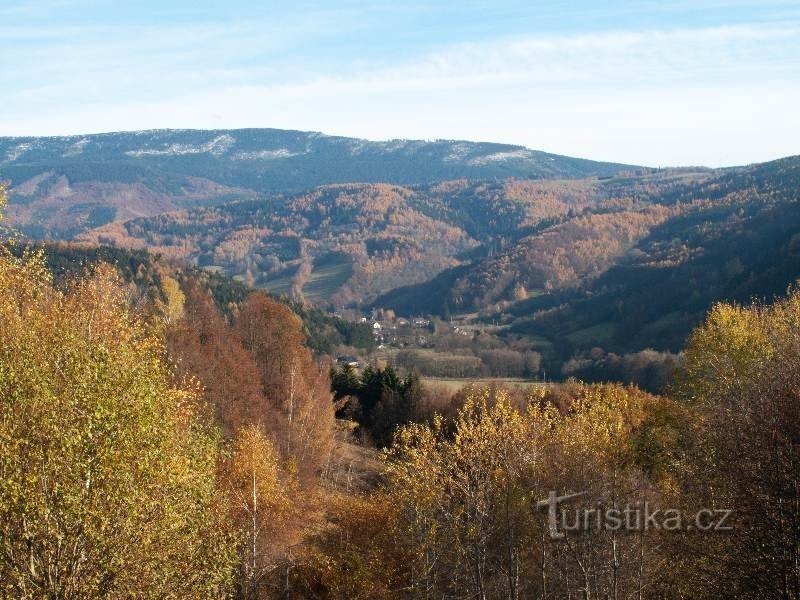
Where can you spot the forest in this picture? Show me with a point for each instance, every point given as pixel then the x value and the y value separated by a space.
pixel 579 269
pixel 161 438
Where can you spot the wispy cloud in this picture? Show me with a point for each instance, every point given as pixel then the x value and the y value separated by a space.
pixel 612 58
pixel 323 69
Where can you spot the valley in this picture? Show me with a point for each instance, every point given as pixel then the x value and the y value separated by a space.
pixel 584 264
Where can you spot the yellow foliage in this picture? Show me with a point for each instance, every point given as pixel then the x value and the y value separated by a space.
pixel 724 352
pixel 258 500
pixel 253 474
pixel 108 475
pixel 742 372
pixel 173 308
pixel 465 492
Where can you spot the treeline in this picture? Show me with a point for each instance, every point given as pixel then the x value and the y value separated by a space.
pixel 67 261
pixel 488 362
pixel 649 370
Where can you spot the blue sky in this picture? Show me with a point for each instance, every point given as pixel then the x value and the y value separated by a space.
pixel 651 82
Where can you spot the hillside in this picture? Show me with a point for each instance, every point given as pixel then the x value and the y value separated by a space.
pixel 61 186
pixel 576 261
pixel 740 241
pixel 596 222
pixel 348 243
pixel 146 272
pixel 511 247
pixel 639 270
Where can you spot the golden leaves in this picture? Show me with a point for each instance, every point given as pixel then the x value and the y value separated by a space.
pixel 108 476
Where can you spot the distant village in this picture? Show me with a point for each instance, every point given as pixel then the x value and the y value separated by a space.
pixel 397 333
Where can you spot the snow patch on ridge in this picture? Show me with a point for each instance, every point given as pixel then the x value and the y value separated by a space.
pixel 76 148
pixel 218 146
pixel 266 154
pixel 14 153
pixel 458 152
pixel 521 154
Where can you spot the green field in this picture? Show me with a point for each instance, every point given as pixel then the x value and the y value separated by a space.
pixel 328 275
pixel 280 283
pixel 593 335
pixel 453 385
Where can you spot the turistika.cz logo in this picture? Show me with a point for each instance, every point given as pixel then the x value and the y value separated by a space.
pixel 630 517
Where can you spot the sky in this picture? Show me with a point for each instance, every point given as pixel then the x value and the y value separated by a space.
pixel 654 82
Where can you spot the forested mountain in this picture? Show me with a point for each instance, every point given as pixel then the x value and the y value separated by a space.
pixel 578 260
pixel 638 270
pixel 494 243
pixel 350 242
pixel 63 185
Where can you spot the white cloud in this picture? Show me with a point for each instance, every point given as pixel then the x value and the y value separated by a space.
pixel 720 95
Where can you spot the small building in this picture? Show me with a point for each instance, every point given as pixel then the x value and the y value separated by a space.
pixel 347 360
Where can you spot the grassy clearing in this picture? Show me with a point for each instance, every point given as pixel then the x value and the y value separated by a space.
pixel 453 385
pixel 328 275
pixel 280 283
pixel 215 269
pixel 535 293
pixel 592 335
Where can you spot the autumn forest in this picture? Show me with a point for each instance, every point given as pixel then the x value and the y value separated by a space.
pixel 167 431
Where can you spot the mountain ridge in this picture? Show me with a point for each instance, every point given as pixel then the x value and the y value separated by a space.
pixel 268 145
pixel 79 140
pixel 63 185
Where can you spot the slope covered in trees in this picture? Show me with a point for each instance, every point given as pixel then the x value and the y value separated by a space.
pixel 738 242
pixel 149 275
pixel 388 236
pixel 159 447
pixel 152 446
pixel 61 186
